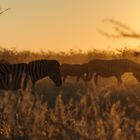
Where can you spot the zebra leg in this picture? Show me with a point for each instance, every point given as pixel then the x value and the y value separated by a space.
pixel 25 82
pixel 86 77
pixel 20 92
pixel 96 79
pixel 89 76
pixel 21 95
pixel 34 94
pixel 6 81
pixel 17 81
pixel 64 78
pixel 77 79
pixel 18 85
pixel 85 80
pixel 119 79
pixel 9 83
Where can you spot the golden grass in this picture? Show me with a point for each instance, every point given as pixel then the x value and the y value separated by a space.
pixel 95 116
pixel 74 111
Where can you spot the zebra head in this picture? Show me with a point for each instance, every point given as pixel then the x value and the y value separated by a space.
pixel 53 67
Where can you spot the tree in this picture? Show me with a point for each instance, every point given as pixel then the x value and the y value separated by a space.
pixel 122 30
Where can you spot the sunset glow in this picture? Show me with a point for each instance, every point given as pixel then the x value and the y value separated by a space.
pixel 61 25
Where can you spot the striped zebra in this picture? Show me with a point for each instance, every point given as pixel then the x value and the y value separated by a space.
pixel 11 75
pixel 3 76
pixel 16 76
pixel 74 70
pixel 39 69
pixel 114 67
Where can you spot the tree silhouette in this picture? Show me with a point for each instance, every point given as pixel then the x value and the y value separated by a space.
pixel 122 30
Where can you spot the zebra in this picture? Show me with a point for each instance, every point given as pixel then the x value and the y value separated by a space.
pixel 11 75
pixel 75 70
pixel 3 76
pixel 113 67
pixel 17 72
pixel 39 69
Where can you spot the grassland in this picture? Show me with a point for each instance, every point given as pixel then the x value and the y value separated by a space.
pixel 74 111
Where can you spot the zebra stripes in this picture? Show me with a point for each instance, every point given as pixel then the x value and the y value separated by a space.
pixel 17 72
pixel 39 69
pixel 4 76
pixel 11 75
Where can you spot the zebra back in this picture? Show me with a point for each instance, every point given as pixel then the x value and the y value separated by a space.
pixel 114 66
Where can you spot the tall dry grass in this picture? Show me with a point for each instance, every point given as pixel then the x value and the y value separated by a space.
pixel 14 56
pixel 74 111
pixel 97 115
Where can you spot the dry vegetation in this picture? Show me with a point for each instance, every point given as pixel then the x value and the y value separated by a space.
pixel 72 56
pixel 73 111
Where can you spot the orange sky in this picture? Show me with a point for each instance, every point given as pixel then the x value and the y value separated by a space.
pixel 61 25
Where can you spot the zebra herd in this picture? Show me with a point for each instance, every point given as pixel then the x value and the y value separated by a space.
pixel 100 67
pixel 17 76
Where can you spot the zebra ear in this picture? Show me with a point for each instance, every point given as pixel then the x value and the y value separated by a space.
pixel 53 62
pixel 57 63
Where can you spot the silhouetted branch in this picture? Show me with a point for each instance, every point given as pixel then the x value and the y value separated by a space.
pixel 3 11
pixel 123 30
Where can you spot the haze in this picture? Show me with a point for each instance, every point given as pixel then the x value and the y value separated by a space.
pixel 60 25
